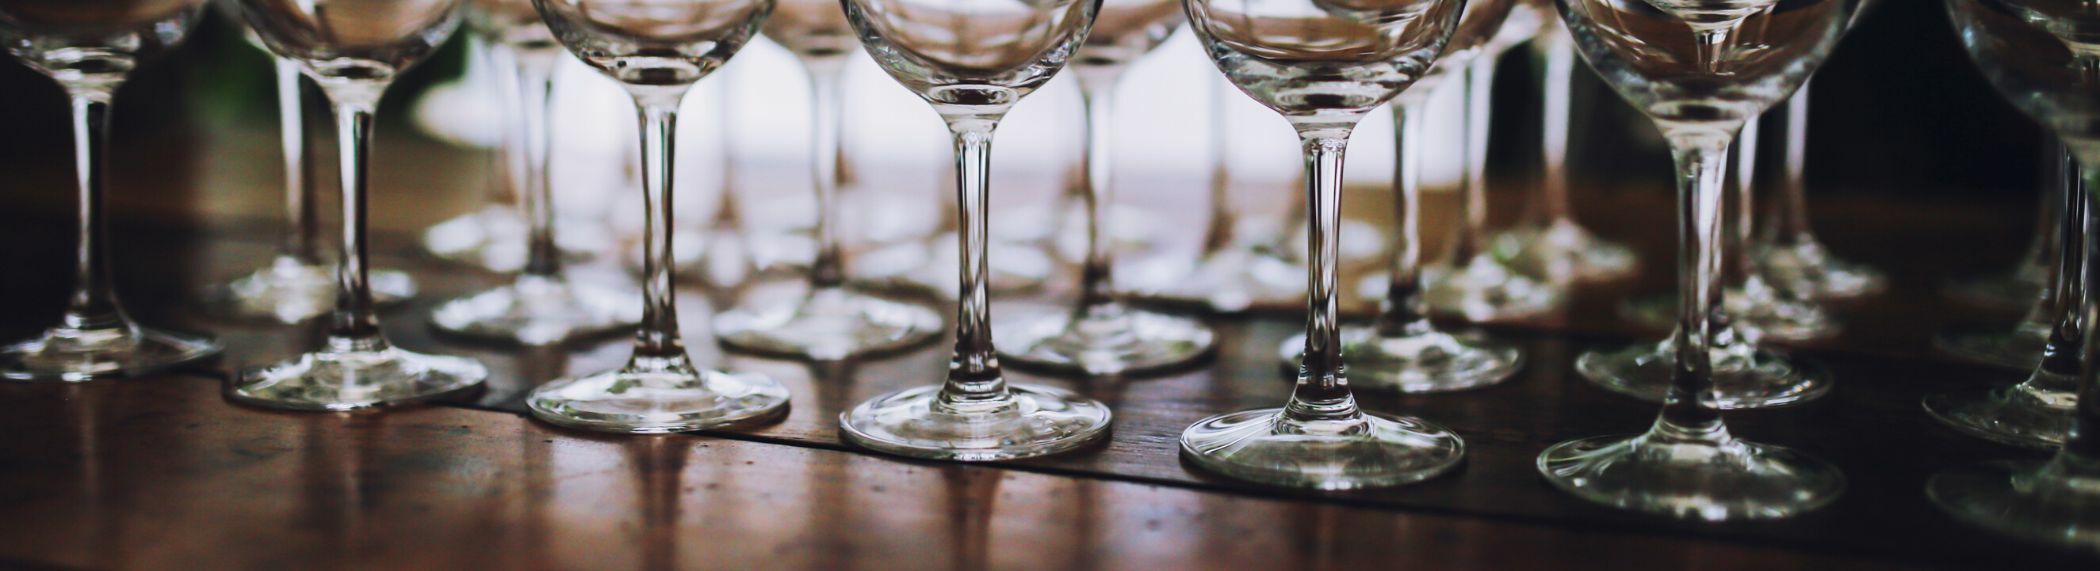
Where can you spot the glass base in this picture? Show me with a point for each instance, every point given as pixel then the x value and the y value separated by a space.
pixel 1692 479
pixel 1113 340
pixel 537 310
pixel 1034 421
pixel 64 354
pixel 1745 377
pixel 1753 307
pixel 1484 289
pixel 340 379
pixel 828 324
pixel 493 238
pixel 1807 268
pixel 1564 252
pixel 671 397
pixel 2019 415
pixel 2017 348
pixel 290 291
pixel 1428 362
pixel 2012 291
pixel 1234 280
pixel 2046 502
pixel 1366 451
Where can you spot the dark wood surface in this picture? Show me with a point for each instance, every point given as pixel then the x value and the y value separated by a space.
pixel 160 472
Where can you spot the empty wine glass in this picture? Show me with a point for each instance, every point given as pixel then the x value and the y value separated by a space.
pixel 973 60
pixel 296 284
pixel 1700 70
pixel 1402 350
pixel 542 306
pixel 1473 280
pixel 89 47
pixel 832 320
pixel 1323 65
pixel 2022 344
pixel 2041 55
pixel 657 49
pixel 354 50
pixel 1104 336
pixel 1549 242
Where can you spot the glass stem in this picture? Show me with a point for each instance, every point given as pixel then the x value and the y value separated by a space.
pixel 355 326
pixel 1789 217
pixel 2081 452
pixel 828 270
pixel 94 304
pixel 1220 233
pixel 2062 354
pixel 1097 282
pixel 299 211
pixel 1404 312
pixel 656 342
pixel 1322 392
pixel 1689 411
pixel 535 72
pixel 975 383
pixel 511 182
pixel 1471 239
pixel 1559 56
pixel 1737 250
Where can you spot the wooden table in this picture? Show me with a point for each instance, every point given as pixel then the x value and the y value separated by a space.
pixel 161 472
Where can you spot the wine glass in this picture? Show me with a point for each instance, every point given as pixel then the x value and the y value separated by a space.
pixel 2040 54
pixel 89 47
pixel 973 60
pixel 1549 242
pixel 1475 281
pixel 2022 286
pixel 1700 70
pixel 1402 350
pixel 354 50
pixel 1322 65
pixel 296 284
pixel 657 50
pixel 1104 336
pixel 2022 344
pixel 542 305
pixel 831 320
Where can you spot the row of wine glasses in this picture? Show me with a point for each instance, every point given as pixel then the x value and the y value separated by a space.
pixel 1700 70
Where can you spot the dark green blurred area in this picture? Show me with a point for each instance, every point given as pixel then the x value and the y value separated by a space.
pixel 1899 111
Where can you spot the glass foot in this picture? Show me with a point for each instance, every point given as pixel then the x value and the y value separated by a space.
pixel 1807 268
pixel 1234 280
pixel 2050 502
pixel 2019 415
pixel 1745 377
pixel 1564 252
pixel 2017 348
pixel 290 291
pixel 1484 290
pixel 1428 362
pixel 1690 478
pixel 828 324
pixel 1113 340
pixel 1035 421
pixel 1753 306
pixel 343 377
pixel 538 310
pixel 1365 451
pixel 67 354
pixel 670 396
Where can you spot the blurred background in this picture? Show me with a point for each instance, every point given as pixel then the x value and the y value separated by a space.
pixel 1898 114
